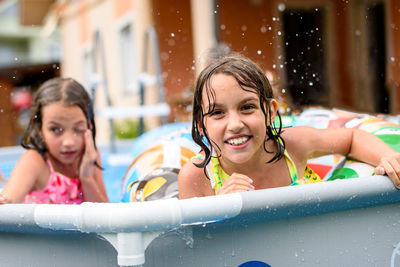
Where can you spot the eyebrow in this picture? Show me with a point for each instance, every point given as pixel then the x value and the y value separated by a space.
pixel 246 100
pixel 75 123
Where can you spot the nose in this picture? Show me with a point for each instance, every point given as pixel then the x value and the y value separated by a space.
pixel 69 139
pixel 235 123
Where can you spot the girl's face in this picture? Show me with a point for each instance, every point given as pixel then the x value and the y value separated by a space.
pixel 237 124
pixel 62 129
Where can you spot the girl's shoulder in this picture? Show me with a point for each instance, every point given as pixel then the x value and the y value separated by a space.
pixel 297 135
pixel 191 171
pixel 193 182
pixel 32 161
pixel 300 141
pixel 33 154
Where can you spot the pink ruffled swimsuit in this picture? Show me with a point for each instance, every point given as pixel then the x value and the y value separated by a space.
pixel 60 189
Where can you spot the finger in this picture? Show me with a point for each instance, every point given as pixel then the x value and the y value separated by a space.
pixel 89 140
pixel 235 188
pixel 90 150
pixel 379 170
pixel 392 169
pixel 3 199
pixel 241 177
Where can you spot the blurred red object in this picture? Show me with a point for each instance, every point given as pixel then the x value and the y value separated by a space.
pixel 21 99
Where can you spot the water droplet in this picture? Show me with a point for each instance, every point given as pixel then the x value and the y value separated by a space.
pixel 172 34
pixel 310 83
pixel 281 7
pixel 259 52
pixel 392 59
pixel 263 29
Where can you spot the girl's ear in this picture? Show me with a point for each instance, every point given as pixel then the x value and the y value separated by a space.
pixel 200 127
pixel 273 107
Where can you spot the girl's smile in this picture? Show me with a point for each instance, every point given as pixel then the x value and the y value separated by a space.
pixel 238 142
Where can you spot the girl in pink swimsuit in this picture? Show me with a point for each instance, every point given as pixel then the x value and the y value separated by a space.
pixel 61 164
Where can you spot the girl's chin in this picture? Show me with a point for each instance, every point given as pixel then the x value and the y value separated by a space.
pixel 67 159
pixel 238 159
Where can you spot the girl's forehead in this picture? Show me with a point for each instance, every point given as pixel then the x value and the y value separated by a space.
pixel 221 82
pixel 225 89
pixel 59 112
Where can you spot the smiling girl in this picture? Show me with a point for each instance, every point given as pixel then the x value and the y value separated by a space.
pixel 242 149
pixel 61 164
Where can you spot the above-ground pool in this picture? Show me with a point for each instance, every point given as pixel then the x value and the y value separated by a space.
pixel 353 222
pixel 350 222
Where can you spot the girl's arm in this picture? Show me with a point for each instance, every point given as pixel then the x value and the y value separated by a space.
pixel 370 149
pixel 26 172
pixel 91 176
pixel 353 143
pixel 192 182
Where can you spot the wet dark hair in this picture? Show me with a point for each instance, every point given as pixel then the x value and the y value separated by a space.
pixel 65 90
pixel 250 78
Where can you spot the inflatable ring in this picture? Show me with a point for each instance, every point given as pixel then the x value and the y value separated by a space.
pixel 160 154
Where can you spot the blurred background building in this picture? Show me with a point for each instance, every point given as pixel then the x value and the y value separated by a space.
pixel 332 53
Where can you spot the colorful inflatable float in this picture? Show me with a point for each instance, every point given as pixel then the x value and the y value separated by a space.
pixel 337 223
pixel 160 153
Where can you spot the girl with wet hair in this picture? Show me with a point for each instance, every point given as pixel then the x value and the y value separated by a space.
pixel 236 123
pixel 61 164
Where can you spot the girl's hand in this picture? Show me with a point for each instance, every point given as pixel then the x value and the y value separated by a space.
pixel 4 199
pixel 237 183
pixel 391 166
pixel 89 157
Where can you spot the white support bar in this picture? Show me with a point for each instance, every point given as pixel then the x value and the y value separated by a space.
pixel 161 109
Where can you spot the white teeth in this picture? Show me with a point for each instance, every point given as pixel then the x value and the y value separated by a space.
pixel 238 141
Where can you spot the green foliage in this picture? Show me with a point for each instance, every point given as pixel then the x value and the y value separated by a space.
pixel 126 129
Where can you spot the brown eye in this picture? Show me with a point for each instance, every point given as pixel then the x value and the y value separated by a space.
pixel 248 107
pixel 216 113
pixel 57 130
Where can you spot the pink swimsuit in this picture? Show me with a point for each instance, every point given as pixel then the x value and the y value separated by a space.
pixel 60 189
